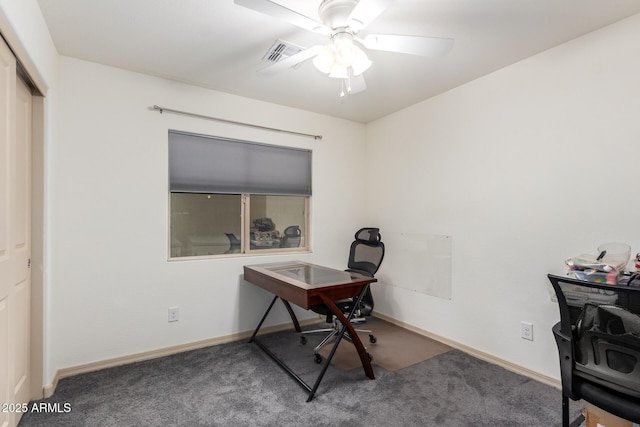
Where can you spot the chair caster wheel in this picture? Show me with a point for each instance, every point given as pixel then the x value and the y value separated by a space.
pixel 303 340
pixel 372 339
pixel 318 359
pixel 370 357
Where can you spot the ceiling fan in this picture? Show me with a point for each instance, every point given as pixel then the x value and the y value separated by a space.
pixel 341 22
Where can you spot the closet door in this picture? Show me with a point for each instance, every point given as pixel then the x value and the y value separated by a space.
pixel 15 239
pixel 21 245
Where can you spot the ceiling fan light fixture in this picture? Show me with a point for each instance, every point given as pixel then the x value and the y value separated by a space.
pixel 338 59
pixel 325 60
pixel 345 51
pixel 361 62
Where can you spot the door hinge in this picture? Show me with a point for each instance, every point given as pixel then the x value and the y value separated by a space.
pixel 29 263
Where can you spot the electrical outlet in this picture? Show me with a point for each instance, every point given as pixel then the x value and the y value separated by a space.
pixel 526 330
pixel 174 314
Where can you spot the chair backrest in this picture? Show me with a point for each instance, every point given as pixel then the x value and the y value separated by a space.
pixel 234 244
pixel 365 256
pixel 600 331
pixel 367 251
pixel 233 240
pixel 292 237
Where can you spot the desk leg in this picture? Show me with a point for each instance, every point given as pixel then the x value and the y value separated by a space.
pixel 262 320
pixel 327 362
pixel 294 319
pixel 346 325
pixel 364 357
pixel 271 354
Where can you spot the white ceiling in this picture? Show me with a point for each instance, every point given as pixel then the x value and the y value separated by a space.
pixel 219 45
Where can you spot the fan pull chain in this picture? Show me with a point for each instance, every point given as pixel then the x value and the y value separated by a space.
pixel 346 83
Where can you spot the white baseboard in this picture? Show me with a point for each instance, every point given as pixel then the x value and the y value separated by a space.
pixel 510 366
pixel 48 390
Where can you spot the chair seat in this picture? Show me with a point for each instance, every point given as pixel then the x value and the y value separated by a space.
pixel 616 403
pixel 344 306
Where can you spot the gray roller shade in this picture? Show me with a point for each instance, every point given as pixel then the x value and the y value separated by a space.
pixel 206 164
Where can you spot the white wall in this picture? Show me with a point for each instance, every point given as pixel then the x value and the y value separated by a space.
pixel 111 281
pixel 524 168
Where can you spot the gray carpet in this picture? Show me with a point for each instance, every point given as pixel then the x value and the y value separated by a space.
pixel 236 384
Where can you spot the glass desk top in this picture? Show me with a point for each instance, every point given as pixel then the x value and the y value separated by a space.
pixel 310 274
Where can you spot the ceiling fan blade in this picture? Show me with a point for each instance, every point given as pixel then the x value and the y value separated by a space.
pixel 365 12
pixel 289 62
pixel 414 45
pixel 273 9
pixel 357 84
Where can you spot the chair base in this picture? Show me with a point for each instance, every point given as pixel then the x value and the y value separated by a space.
pixel 332 334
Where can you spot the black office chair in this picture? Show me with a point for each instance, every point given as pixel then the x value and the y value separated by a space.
pixel 365 256
pixel 598 340
pixel 234 243
pixel 292 237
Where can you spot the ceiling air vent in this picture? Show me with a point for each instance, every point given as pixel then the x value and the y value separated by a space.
pixel 280 50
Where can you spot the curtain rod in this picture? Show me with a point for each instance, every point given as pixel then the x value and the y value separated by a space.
pixel 186 113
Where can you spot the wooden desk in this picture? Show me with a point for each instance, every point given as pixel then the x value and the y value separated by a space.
pixel 305 285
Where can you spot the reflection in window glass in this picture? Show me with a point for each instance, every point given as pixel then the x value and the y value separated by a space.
pixel 205 224
pixel 277 222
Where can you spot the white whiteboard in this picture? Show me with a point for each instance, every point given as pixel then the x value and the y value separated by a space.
pixel 418 262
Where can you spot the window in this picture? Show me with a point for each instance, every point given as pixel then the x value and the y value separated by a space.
pixel 230 197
